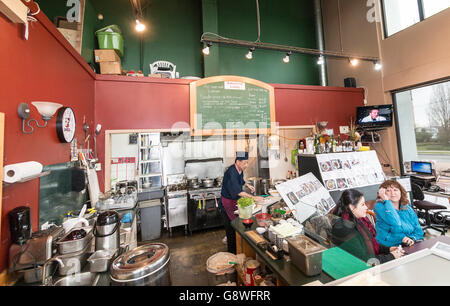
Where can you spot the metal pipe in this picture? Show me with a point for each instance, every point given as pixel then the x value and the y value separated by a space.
pixel 320 39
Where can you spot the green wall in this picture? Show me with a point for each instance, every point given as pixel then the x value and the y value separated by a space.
pixel 285 22
pixel 174 29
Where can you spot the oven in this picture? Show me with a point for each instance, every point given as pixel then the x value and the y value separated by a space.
pixel 203 209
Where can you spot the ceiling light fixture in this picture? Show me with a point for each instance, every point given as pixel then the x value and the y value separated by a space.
pixel 321 60
pixel 249 55
pixel 206 49
pixel 377 66
pixel 286 59
pixel 140 27
pixel 354 62
pixel 217 39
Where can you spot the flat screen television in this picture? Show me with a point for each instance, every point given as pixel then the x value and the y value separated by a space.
pixel 372 117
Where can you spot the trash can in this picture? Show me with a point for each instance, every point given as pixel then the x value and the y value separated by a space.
pixel 110 37
pixel 150 219
pixel 220 270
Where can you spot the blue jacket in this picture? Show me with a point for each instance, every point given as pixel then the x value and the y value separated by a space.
pixel 393 225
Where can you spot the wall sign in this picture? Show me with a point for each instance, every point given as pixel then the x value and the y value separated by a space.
pixel 231 105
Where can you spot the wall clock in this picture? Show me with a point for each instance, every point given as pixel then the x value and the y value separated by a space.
pixel 65 124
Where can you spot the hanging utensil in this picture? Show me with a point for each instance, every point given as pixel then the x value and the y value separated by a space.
pixel 285 153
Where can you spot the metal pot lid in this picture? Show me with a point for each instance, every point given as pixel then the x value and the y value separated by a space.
pixel 140 262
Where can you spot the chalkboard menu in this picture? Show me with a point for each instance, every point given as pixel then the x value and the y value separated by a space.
pixel 231 105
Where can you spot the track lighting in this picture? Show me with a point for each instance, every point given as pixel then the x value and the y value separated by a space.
pixel 250 53
pixel 377 66
pixel 321 60
pixel 286 59
pixel 206 49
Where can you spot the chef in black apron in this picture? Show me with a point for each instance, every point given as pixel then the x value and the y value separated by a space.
pixel 232 189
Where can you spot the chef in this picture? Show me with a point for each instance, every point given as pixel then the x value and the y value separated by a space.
pixel 232 184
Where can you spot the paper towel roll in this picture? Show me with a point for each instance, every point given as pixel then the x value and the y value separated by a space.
pixel 15 172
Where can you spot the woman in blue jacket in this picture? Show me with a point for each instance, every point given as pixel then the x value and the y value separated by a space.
pixel 397 223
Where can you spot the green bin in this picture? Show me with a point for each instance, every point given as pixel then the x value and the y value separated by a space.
pixel 110 37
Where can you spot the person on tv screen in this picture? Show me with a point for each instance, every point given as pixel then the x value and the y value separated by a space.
pixel 374 116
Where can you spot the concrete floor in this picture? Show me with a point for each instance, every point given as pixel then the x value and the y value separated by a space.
pixel 190 253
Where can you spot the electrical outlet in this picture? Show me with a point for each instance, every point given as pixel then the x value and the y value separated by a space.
pixel 344 129
pixel 98 167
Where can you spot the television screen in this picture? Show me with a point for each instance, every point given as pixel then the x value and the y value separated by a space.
pixel 374 116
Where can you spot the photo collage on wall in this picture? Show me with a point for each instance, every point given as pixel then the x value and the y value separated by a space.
pixel 350 170
pixel 306 195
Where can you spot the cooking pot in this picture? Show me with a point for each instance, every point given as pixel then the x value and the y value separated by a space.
pixel 219 181
pixel 193 182
pixel 265 186
pixel 207 182
pixel 147 265
pixel 256 183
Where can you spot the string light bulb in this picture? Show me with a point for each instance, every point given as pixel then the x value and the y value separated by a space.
pixel 249 55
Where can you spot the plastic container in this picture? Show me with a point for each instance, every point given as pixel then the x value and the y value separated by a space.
pixel 263 219
pixel 245 212
pixel 110 37
pixel 220 270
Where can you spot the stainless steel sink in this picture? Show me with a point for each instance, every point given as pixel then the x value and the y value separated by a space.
pixel 81 279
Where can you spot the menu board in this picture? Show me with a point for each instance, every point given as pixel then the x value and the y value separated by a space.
pixel 224 104
pixel 306 196
pixel 350 170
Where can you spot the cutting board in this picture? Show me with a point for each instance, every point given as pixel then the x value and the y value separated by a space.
pixel 338 264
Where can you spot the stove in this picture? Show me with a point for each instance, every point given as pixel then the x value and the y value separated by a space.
pixel 207 193
pixel 203 208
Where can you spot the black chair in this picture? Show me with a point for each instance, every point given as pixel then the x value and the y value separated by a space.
pixel 423 209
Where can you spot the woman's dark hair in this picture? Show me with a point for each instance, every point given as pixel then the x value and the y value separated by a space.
pixel 350 196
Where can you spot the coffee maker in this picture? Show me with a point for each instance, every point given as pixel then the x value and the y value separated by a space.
pixel 20 224
pixel 29 251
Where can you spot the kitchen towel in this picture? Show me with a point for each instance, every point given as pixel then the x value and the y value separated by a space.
pixel 15 172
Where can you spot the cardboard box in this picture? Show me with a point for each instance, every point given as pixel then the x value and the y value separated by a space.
pixel 15 10
pixel 110 68
pixel 106 55
pixel 70 35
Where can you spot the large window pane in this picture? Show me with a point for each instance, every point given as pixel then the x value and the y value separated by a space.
pixel 432 7
pixel 400 14
pixel 424 124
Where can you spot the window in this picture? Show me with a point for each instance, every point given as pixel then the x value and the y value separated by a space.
pixel 401 14
pixel 431 7
pixel 423 117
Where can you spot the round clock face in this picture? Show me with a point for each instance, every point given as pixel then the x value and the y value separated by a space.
pixel 65 124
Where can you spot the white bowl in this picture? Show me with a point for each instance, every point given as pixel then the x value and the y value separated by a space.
pixel 260 230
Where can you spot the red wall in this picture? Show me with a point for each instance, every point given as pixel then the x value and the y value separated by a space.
pixel 123 103
pixel 47 68
pixel 40 69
